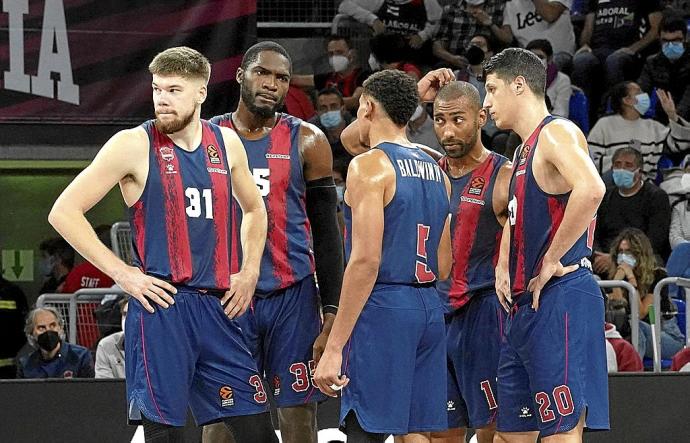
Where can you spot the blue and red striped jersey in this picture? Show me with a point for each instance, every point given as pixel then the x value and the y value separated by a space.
pixel 181 222
pixel 534 219
pixel 475 230
pixel 413 220
pixel 276 164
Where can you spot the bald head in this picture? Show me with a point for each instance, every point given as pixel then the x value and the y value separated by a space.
pixel 458 89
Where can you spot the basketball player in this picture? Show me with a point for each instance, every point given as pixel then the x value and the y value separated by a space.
pixel 292 164
pixel 178 175
pixel 552 367
pixel 479 208
pixel 388 338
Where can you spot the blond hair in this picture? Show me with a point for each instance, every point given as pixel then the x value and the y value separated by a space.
pixel 641 248
pixel 183 61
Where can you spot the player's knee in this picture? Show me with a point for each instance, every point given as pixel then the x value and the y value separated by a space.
pixel 303 414
pixel 486 434
pixel 453 435
pixel 159 433
pixel 216 433
pixel 255 428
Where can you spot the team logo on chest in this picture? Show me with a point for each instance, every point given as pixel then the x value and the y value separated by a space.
pixel 167 153
pixel 213 156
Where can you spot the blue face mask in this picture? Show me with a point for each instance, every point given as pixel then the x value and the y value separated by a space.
pixel 330 119
pixel 627 259
pixel 673 50
pixel 643 103
pixel 623 178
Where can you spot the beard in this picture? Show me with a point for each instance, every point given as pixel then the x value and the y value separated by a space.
pixel 463 146
pixel 177 124
pixel 263 111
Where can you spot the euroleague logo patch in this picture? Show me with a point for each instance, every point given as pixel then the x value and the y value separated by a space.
pixel 213 156
pixel 226 396
pixel 477 186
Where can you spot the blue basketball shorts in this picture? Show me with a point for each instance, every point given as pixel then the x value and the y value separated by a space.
pixel 280 331
pixel 396 362
pixel 189 354
pixel 552 364
pixel 474 338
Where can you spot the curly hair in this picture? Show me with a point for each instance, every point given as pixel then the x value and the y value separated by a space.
pixel 395 91
pixel 641 248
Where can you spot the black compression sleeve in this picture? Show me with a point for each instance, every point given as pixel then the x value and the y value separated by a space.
pixel 322 201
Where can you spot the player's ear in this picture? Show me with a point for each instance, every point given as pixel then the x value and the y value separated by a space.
pixel 369 107
pixel 239 75
pixel 202 93
pixel 519 85
pixel 482 117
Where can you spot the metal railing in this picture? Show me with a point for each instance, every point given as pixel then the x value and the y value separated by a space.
pixel 121 241
pixel 77 308
pixel 633 302
pixel 683 282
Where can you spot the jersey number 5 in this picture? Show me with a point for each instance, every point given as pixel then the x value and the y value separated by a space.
pixel 422 271
pixel 261 180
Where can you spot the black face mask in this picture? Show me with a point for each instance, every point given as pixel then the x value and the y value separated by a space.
pixel 48 340
pixel 474 55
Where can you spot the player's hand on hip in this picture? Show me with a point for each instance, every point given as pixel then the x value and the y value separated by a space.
pixel 236 301
pixel 548 270
pixel 503 287
pixel 327 375
pixel 430 84
pixel 145 288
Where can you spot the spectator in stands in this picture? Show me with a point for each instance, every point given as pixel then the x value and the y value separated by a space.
pixel 57 259
pixel 332 118
pixel 86 275
pixel 632 202
pixel 558 87
pixel 417 20
pixel 680 215
pixel 345 74
pixel 13 309
pixel 681 361
pixel 625 357
pixel 420 129
pixel 670 69
pixel 340 166
pixel 460 23
pixel 54 357
pixel 527 20
pixel 110 354
pixel 634 262
pixel 626 127
pixel 391 51
pixel 615 37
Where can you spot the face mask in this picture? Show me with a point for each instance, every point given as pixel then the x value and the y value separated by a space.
pixel 122 323
pixel 623 178
pixel 373 63
pixel 340 190
pixel 625 258
pixel 330 119
pixel 673 50
pixel 474 55
pixel 643 102
pixel 417 113
pixel 685 182
pixel 48 340
pixel 338 62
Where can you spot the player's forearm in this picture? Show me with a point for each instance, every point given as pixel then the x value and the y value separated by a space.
pixel 504 249
pixel 302 81
pixel 351 141
pixel 71 224
pixel 253 235
pixel 582 207
pixel 359 279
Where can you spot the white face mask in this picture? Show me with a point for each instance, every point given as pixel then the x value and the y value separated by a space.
pixel 685 182
pixel 123 323
pixel 339 63
pixel 417 113
pixel 373 63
